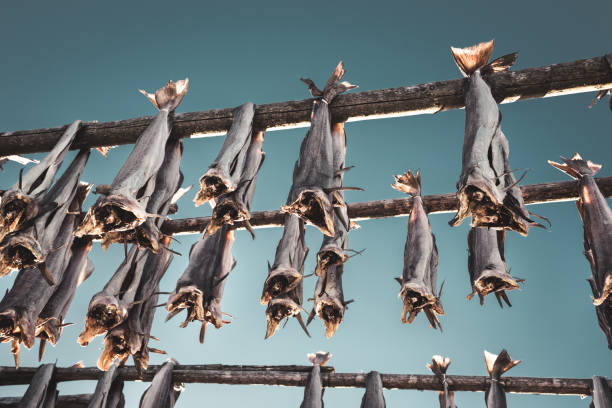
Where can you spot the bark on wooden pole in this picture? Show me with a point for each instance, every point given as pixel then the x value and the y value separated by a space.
pixel 296 376
pixel 398 207
pixel 63 401
pixel 586 75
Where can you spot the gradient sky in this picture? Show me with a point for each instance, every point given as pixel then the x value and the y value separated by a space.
pixel 67 60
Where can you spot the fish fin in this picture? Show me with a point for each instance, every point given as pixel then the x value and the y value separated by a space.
pixel 169 96
pixel 314 90
pixel 505 297
pixel 470 59
pixel 319 358
pixel 599 96
pixel 500 64
pixel 499 364
pixel 157 351
pixel 41 349
pixel 203 331
pixel 249 228
pixel 301 321
pixel 21 179
pixel 576 167
pixel 15 350
pixel 399 280
pixel 311 316
pixel 408 183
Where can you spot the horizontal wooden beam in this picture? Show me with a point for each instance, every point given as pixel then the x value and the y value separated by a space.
pixel 586 75
pixel 296 376
pixel 63 401
pixel 398 207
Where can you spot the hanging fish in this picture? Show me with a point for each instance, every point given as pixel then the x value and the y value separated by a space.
pixel 51 318
pixel 235 206
pixel 495 396
pixel 21 306
pixel 200 289
pixel 163 392
pixel 373 397
pixel 420 273
pixel 42 391
pixel 283 291
pixel 109 390
pixel 131 336
pixel 313 392
pixel 224 173
pixel 165 186
pixel 602 394
pixel 20 203
pixel 119 207
pixel 597 219
pixel 487 265
pixel 313 174
pixel 438 366
pixel 486 189
pixel 30 245
pixel 329 302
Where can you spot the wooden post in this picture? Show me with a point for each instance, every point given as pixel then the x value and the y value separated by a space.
pixel 586 75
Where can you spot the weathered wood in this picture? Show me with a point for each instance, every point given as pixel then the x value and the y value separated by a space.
pixel 584 75
pixel 63 401
pixel 399 207
pixel 296 376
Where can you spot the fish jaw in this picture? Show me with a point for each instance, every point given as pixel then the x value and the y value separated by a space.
pixel 19 251
pixel 280 281
pixel 331 312
pixel 146 235
pixel 103 314
pixel 329 255
pixel 112 213
pixel 314 207
pixel 116 345
pixel 606 292
pixel 48 330
pixel 15 209
pixel 416 297
pixel 492 280
pixel 229 212
pixel 187 297
pixel 212 312
pixel 16 324
pixel 214 183
pixel 277 310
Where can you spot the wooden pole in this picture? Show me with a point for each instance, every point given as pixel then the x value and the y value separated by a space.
pixel 399 207
pixel 296 376
pixel 584 75
pixel 63 401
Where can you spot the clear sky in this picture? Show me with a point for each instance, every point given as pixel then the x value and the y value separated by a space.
pixel 67 60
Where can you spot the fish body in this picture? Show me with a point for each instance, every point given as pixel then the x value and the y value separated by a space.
pixel 224 173
pixel 597 221
pixel 487 265
pixel 438 366
pixel 162 393
pixel 313 392
pixel 109 390
pixel 418 281
pixel 373 397
pixel 495 395
pixel 42 391
pixel 602 394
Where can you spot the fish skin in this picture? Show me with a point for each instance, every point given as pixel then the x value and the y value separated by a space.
pixel 313 173
pixel 418 282
pixel 373 396
pixel 313 391
pixel 120 206
pixel 487 264
pixel 597 222
pixel 34 184
pixel 602 394
pixel 224 173
pixel 42 389
pixel 495 395
pixel 162 393
pixel 109 390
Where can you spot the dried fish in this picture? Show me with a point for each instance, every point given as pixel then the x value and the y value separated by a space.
pixel 20 203
pixel 486 189
pixel 120 208
pixel 162 393
pixel 200 289
pixel 487 265
pixel 235 206
pixel 313 174
pixel 596 218
pixel 109 390
pixel 283 291
pixel 224 173
pixel 30 245
pixel 495 396
pixel 420 273
pixel 42 391
pixel 602 394
pixel 131 337
pixel 313 392
pixel 373 397
pixel 438 366
pixel 51 318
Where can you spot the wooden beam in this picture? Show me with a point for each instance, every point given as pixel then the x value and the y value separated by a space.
pixel 296 376
pixel 399 207
pixel 584 75
pixel 63 401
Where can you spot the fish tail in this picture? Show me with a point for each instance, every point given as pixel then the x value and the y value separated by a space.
pixel 169 96
pixel 576 167
pixel 439 365
pixel 499 364
pixel 319 358
pixel 408 183
pixel 472 58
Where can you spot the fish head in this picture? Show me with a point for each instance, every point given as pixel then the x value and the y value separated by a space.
pixel 280 280
pixel 187 297
pixel 416 297
pixel 16 208
pixel 19 251
pixel 227 211
pixel 116 345
pixel 277 310
pixel 314 207
pixel 329 255
pixel 214 183
pixel 112 213
pixel 494 280
pixel 330 311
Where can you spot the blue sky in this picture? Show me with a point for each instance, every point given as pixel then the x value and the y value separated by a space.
pixel 68 60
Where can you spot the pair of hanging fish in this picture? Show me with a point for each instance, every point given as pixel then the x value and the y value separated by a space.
pixel 229 184
pixel 315 198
